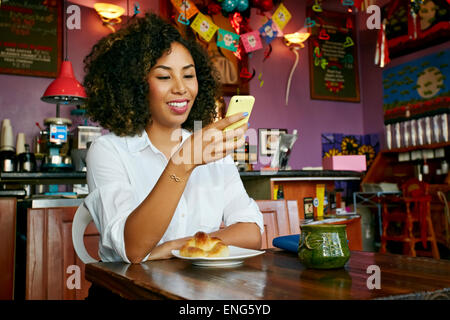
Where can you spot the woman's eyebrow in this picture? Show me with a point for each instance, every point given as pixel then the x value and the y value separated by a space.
pixel 169 68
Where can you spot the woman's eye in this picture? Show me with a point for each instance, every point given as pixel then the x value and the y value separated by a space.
pixel 163 77
pixel 189 76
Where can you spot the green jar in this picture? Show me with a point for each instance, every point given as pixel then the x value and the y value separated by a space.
pixel 323 246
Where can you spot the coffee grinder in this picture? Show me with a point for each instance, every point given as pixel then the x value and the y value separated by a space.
pixel 56 141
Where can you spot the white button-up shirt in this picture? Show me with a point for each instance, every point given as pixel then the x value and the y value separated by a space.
pixel 122 171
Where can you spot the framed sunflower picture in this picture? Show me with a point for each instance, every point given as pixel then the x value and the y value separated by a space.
pixel 337 144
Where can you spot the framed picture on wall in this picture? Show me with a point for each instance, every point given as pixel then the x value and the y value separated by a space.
pixel 268 140
pixel 333 60
pixel 31 38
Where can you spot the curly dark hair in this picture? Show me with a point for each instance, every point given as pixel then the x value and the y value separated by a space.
pixel 117 69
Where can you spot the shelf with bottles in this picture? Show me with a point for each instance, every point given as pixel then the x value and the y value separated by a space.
pixel 427 162
pixel 416 131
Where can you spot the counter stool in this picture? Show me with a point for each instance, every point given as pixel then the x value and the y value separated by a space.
pixel 410 209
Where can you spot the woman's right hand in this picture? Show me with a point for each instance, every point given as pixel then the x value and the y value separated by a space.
pixel 211 143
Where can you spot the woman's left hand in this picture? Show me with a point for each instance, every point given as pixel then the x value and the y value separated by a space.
pixel 164 251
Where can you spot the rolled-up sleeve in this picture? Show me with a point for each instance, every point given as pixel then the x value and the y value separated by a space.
pixel 238 206
pixel 111 199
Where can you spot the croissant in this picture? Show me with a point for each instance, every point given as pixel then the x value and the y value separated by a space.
pixel 202 245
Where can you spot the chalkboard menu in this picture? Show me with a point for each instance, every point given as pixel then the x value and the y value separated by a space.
pixel 31 37
pixel 333 57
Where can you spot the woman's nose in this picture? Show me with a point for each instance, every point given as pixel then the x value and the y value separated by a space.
pixel 179 86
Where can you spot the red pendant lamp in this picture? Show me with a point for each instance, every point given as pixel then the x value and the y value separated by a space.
pixel 65 89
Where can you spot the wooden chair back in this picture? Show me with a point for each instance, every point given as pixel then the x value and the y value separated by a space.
pixel 280 219
pixel 7 247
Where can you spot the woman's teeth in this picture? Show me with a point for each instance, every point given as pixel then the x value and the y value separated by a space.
pixel 177 104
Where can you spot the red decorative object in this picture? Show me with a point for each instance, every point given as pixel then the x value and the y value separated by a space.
pixel 266 5
pixel 334 86
pixel 236 20
pixel 65 89
pixel 349 23
pixel 323 35
pixel 214 8
pixel 256 3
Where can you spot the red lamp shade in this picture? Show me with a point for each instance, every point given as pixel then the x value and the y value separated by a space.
pixel 65 89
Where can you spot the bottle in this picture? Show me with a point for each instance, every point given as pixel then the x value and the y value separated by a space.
pixel 280 193
pixel 425 171
pixel 444 167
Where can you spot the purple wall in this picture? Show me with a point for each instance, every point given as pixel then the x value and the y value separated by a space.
pixel 20 96
pixel 310 117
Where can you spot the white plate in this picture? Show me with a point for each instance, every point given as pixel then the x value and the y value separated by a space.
pixel 236 257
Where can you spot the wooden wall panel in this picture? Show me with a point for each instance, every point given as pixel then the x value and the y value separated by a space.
pixel 50 252
pixel 7 247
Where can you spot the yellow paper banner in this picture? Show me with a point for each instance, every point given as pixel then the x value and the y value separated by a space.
pixel 204 26
pixel 281 16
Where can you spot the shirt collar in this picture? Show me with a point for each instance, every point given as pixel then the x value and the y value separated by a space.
pixel 141 141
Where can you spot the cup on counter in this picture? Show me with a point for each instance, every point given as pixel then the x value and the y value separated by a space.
pixel 7 137
pixel 20 143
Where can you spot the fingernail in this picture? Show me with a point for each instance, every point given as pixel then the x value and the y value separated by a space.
pixel 245 114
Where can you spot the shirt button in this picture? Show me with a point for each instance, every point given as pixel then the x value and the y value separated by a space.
pixel 182 215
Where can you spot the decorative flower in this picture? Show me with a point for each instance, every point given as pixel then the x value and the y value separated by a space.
pixel 332 152
pixel 349 146
pixel 369 152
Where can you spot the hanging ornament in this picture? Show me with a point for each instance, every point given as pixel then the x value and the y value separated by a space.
pixel 349 23
pixel 256 3
pixel 242 5
pixel 266 5
pixel 235 21
pixel 214 8
pixel 229 5
pixel 316 7
pixel 414 8
pixel 245 74
pixel 267 52
pixel 382 50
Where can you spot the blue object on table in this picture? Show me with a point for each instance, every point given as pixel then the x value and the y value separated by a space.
pixel 289 243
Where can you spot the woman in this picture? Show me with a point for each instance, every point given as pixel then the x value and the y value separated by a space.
pixel 156 181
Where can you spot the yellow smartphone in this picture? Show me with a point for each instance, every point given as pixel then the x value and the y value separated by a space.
pixel 240 104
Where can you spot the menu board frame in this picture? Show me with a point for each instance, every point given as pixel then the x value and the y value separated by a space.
pixel 336 25
pixel 33 37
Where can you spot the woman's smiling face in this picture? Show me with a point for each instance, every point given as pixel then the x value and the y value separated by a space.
pixel 173 87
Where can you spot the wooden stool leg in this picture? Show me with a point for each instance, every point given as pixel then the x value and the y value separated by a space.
pixel 410 235
pixel 385 222
pixel 434 247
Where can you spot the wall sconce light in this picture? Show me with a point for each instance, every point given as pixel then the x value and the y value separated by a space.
pixel 295 42
pixel 109 13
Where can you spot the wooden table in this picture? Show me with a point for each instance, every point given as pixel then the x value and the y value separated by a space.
pixel 276 275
